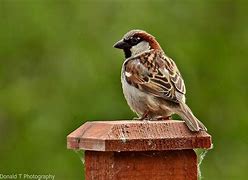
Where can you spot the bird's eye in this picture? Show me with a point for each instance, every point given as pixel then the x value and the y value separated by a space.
pixel 134 40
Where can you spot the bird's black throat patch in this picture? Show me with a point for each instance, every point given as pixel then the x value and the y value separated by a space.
pixel 127 52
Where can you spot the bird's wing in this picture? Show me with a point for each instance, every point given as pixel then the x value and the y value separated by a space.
pixel 157 74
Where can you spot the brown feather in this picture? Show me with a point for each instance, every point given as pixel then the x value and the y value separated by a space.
pixel 147 74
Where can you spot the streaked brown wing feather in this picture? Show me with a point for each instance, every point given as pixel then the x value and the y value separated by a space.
pixel 176 77
pixel 154 73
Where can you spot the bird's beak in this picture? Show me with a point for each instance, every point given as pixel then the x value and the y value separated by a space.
pixel 121 44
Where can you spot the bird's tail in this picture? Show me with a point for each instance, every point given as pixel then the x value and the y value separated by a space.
pixel 191 121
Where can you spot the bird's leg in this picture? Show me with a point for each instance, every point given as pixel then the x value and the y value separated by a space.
pixel 143 117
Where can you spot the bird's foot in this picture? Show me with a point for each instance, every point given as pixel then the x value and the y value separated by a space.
pixel 143 117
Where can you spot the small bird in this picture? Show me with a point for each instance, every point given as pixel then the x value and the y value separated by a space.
pixel 151 82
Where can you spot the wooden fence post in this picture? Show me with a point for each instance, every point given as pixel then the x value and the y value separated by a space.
pixel 138 150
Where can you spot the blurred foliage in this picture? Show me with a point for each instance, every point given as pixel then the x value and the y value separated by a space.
pixel 58 69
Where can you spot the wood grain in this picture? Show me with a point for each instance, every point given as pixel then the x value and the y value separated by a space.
pixel 137 136
pixel 146 165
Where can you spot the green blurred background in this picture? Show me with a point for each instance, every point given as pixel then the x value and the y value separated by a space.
pixel 58 69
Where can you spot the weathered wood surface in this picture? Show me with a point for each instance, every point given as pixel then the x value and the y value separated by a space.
pixel 138 150
pixel 146 165
pixel 137 136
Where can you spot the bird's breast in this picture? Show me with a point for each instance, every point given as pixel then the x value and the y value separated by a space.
pixel 136 99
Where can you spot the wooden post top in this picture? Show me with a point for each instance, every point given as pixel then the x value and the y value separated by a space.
pixel 137 136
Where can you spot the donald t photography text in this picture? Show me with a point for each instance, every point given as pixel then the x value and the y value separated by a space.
pixel 28 176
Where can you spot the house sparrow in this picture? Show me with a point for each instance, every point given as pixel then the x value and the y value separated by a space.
pixel 151 82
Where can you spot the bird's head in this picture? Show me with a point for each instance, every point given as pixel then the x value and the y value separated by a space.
pixel 135 42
